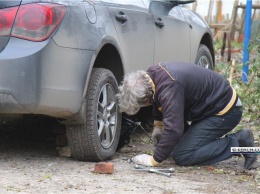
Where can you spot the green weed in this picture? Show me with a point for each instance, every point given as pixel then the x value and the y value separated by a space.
pixel 249 92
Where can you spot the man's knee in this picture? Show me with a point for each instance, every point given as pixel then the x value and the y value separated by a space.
pixel 182 159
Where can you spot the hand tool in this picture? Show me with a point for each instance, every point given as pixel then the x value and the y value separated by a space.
pixel 137 166
pixel 165 172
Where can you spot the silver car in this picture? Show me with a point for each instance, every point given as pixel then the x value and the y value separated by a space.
pixel 65 59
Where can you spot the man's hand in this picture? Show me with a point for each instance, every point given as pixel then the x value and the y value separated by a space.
pixel 145 159
pixel 156 135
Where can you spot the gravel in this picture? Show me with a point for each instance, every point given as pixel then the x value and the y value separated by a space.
pixel 29 163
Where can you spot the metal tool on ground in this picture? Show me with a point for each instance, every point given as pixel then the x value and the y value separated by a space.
pixel 161 171
pixel 137 166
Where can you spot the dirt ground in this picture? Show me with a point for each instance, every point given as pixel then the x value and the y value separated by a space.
pixel 29 163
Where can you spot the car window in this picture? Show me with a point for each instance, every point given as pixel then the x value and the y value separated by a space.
pixel 176 13
pixel 146 3
pixel 193 17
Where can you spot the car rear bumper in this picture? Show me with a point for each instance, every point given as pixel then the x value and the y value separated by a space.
pixel 42 78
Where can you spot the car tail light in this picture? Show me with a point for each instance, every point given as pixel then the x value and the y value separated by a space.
pixel 36 22
pixel 6 20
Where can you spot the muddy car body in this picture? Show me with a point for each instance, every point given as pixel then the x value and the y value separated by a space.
pixel 65 59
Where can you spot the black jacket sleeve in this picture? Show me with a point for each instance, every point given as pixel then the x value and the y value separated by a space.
pixel 171 98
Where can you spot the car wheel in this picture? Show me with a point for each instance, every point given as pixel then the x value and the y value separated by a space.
pixel 97 139
pixel 204 57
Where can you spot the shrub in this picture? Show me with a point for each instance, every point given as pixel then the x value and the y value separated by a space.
pixel 248 92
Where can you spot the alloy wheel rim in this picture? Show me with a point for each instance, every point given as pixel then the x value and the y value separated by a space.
pixel 204 62
pixel 107 116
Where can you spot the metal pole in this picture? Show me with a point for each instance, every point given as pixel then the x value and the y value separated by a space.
pixel 246 40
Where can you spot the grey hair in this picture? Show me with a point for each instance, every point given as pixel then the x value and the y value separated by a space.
pixel 133 91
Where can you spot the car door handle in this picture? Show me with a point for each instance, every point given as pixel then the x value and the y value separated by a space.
pixel 159 23
pixel 121 17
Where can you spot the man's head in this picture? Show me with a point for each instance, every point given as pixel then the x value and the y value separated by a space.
pixel 134 92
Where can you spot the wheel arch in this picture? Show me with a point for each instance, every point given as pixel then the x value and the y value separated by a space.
pixel 207 41
pixel 107 57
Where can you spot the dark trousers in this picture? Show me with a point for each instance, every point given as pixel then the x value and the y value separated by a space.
pixel 203 143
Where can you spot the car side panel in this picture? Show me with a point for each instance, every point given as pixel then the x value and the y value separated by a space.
pixel 198 30
pixel 50 77
pixel 136 34
pixel 172 41
pixel 77 32
pixel 79 42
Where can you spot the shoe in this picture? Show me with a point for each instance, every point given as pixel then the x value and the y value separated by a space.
pixel 246 139
pixel 250 159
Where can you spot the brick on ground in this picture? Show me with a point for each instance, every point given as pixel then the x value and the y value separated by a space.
pixel 104 168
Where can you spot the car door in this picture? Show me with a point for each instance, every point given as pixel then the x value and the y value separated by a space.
pixel 172 34
pixel 134 25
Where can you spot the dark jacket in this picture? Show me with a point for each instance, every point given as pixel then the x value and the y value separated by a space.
pixel 184 92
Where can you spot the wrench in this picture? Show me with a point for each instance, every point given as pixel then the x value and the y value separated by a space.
pixel 136 166
pixel 152 170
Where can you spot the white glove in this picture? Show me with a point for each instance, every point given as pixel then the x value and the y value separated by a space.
pixel 156 135
pixel 145 159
